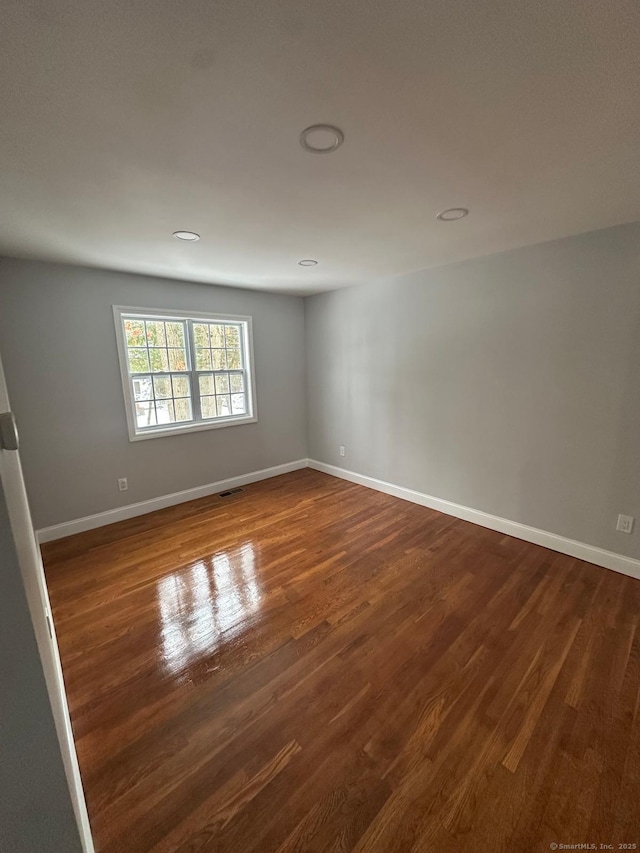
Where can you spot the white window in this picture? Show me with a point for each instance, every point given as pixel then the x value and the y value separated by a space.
pixel 184 371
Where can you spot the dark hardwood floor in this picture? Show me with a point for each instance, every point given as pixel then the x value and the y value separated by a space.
pixel 314 666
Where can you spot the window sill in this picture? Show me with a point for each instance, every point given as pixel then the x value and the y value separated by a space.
pixel 162 432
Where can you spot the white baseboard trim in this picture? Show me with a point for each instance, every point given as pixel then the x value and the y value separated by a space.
pixel 589 553
pixel 100 519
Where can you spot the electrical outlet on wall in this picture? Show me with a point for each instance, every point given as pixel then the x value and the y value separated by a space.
pixel 122 484
pixel 625 524
pixel 342 450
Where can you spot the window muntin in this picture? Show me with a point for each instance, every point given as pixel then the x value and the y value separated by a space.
pixel 184 372
pixel 158 362
pixel 219 360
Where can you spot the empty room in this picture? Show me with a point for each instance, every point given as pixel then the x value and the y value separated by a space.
pixel 319 426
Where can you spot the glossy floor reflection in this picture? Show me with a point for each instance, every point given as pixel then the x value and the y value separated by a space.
pixel 206 604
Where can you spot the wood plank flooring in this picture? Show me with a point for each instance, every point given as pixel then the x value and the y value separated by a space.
pixel 310 665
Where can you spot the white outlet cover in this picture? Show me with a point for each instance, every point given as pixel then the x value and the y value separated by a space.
pixel 625 523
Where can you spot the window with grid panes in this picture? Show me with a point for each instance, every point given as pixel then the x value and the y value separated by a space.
pixel 184 372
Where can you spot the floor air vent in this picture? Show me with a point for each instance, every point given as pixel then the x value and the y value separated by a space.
pixel 230 492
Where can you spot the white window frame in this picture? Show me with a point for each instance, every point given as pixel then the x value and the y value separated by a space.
pixel 121 312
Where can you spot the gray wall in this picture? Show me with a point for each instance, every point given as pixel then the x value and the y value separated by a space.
pixel 510 384
pixel 59 350
pixel 36 813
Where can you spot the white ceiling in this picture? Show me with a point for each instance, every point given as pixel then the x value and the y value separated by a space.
pixel 123 121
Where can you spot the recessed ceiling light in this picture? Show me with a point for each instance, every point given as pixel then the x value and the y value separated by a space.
pixel 321 138
pixel 307 262
pixel 189 236
pixel 452 214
